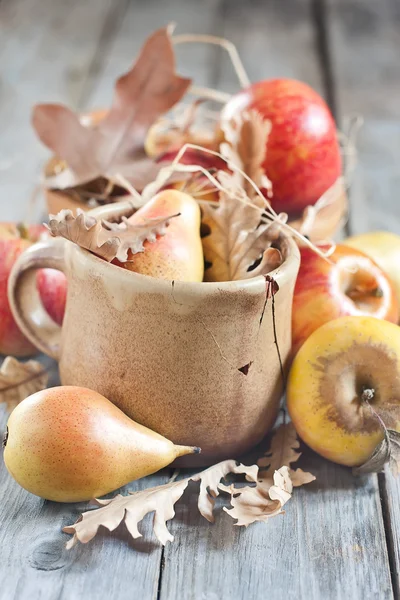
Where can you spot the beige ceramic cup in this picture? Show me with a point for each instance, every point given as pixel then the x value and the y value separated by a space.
pixel 196 362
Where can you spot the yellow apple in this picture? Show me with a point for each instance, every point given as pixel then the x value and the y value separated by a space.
pixel 384 248
pixel 327 381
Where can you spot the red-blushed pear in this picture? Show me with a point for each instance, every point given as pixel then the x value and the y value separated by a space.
pixel 303 157
pixel 343 383
pixel 348 283
pixel 177 255
pixel 70 444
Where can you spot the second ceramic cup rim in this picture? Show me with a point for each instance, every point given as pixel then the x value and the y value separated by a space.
pixel 280 274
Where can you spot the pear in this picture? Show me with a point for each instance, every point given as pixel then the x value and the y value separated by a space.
pixel 177 255
pixel 71 444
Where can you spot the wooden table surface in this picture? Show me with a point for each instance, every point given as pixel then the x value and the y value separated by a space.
pixel 340 535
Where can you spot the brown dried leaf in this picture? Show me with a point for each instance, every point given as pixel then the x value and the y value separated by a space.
pixel 116 143
pixel 19 380
pixel 247 138
pixel 107 240
pixel 239 244
pixel 160 500
pixel 274 485
pixel 259 503
pixel 388 451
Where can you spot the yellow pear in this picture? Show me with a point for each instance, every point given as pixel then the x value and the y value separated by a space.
pixel 71 444
pixel 177 255
pixel 384 248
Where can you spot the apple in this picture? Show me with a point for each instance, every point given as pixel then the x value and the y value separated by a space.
pixel 198 186
pixel 327 395
pixel 384 248
pixel 303 157
pixel 14 239
pixel 52 287
pixel 348 283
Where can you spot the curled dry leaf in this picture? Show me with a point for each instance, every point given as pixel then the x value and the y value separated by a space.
pixel 238 244
pixel 107 240
pixel 116 144
pixel 388 451
pixel 160 500
pixel 274 484
pixel 19 380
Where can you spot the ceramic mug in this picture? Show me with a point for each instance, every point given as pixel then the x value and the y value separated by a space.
pixel 196 362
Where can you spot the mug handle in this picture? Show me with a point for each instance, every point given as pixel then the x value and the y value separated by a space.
pixel 24 299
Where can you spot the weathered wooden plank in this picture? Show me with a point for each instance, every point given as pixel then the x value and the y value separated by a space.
pixel 46 50
pixel 49 50
pixel 329 544
pixel 141 18
pixel 39 565
pixel 366 44
pixel 323 546
pixel 366 41
pixel 274 39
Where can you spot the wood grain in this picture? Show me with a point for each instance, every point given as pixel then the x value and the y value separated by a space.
pixel 365 38
pixel 329 544
pixel 331 541
pixel 365 41
pixel 44 64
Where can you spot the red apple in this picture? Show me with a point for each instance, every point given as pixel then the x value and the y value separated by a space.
pixel 198 186
pixel 52 286
pixel 349 283
pixel 303 156
pixel 14 239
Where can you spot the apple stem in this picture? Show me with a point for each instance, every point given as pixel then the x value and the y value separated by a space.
pixel 367 395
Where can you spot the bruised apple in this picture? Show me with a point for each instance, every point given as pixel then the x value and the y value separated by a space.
pixel 347 371
pixel 348 283
pixel 303 157
pixel 177 255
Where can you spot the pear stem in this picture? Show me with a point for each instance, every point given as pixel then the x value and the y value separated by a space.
pixel 183 450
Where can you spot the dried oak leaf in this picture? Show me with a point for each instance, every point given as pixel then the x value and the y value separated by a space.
pixel 116 144
pixel 274 485
pixel 388 451
pixel 247 137
pixel 19 380
pixel 107 240
pixel 160 500
pixel 238 244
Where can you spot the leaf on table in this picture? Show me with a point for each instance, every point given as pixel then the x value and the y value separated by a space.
pixel 161 500
pixel 116 144
pixel 274 485
pixel 284 451
pixel 237 244
pixel 19 380
pixel 388 451
pixel 107 240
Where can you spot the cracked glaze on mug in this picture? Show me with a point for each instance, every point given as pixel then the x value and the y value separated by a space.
pixel 173 355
